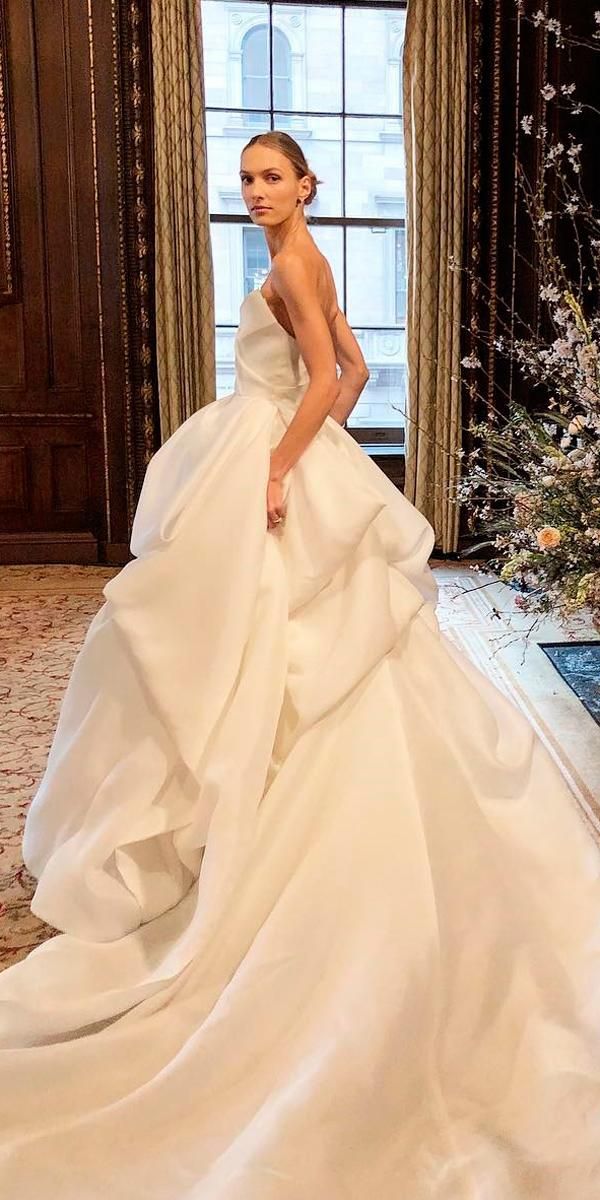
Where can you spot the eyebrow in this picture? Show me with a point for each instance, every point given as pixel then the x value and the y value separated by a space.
pixel 266 170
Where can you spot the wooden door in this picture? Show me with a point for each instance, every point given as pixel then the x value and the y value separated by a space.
pixel 76 348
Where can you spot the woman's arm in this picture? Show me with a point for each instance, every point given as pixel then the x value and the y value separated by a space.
pixel 298 291
pixel 355 372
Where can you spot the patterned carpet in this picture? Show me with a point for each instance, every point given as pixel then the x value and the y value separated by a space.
pixel 44 614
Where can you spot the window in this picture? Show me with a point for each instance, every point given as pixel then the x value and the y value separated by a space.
pixel 331 75
pixel 255 70
pixel 256 259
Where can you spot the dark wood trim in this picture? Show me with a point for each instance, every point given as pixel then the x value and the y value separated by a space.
pixel 48 548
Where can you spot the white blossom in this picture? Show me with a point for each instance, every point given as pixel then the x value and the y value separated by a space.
pixel 567 89
pixel 527 124
pixel 548 91
pixel 550 293
pixel 470 362
pixel 587 357
pixel 591 397
pixel 561 315
pixel 574 335
pixel 538 17
pixel 562 348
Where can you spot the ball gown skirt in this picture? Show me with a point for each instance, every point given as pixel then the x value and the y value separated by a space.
pixel 330 914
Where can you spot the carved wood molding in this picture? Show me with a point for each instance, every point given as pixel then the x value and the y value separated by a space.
pixel 133 123
pixel 7 266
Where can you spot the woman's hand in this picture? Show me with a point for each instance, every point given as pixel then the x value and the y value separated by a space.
pixel 275 505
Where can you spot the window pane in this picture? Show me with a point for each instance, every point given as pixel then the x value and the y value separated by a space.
pixel 330 240
pixel 226 136
pixel 225 373
pixel 224 26
pixel 321 140
pixel 374 43
pixel 372 275
pixel 256 259
pixel 307 55
pixel 383 402
pixel 314 34
pixel 255 68
pixel 401 276
pixel 241 263
pixel 375 170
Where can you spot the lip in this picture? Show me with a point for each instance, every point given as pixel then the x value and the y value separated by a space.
pixel 261 208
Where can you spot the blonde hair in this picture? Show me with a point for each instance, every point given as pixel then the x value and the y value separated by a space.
pixel 293 152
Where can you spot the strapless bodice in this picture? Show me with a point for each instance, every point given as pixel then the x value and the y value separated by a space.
pixel 268 362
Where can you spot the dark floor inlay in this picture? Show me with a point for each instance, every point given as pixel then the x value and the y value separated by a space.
pixel 579 665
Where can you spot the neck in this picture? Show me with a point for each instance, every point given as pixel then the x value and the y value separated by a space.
pixel 292 232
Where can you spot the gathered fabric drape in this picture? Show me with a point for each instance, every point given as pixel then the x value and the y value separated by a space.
pixel 185 318
pixel 434 88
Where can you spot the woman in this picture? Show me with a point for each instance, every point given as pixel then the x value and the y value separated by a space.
pixel 331 918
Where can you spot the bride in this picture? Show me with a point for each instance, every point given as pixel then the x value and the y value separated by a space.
pixel 330 917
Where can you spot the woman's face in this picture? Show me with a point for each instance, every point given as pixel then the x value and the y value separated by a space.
pixel 270 187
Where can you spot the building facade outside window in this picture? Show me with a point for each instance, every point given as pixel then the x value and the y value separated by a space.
pixel 331 76
pixel 256 70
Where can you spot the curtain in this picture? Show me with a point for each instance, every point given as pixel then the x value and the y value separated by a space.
pixel 434 87
pixel 184 284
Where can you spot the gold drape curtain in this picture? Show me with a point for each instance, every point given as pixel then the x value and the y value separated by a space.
pixel 185 318
pixel 434 87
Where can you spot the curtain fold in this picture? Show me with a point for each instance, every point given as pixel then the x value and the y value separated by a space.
pixel 434 88
pixel 184 282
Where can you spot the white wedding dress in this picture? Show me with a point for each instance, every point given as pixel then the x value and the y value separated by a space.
pixel 331 916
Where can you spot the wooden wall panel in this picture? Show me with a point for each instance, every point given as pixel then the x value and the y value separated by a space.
pixel 14 479
pixel 77 394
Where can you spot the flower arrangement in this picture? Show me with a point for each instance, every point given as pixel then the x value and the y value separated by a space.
pixel 531 481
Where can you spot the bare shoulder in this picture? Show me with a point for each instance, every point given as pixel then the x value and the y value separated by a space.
pixel 296 271
pixel 290 273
